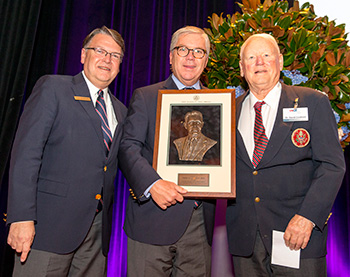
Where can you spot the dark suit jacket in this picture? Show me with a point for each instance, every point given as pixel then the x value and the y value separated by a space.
pixel 58 164
pixel 145 221
pixel 289 180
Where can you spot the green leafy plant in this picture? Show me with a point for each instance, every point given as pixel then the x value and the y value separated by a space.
pixel 315 50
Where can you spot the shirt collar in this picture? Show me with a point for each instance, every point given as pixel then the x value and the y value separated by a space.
pixel 182 86
pixel 272 98
pixel 92 89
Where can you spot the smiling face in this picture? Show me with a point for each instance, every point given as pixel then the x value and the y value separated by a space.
pixel 101 71
pixel 188 69
pixel 260 65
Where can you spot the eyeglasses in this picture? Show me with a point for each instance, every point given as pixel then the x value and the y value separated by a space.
pixel 183 51
pixel 103 53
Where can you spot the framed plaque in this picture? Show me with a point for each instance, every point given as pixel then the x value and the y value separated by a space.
pixel 195 141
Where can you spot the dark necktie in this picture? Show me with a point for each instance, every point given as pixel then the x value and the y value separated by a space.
pixel 260 138
pixel 188 88
pixel 101 111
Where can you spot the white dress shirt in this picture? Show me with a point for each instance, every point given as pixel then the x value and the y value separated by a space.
pixel 247 116
pixel 112 120
pixel 182 86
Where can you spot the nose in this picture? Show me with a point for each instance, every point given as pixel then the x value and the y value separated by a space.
pixel 108 57
pixel 190 55
pixel 259 60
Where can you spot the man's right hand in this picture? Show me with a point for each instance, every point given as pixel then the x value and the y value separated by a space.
pixel 21 236
pixel 166 193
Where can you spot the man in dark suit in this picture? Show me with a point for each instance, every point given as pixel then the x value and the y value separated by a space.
pixel 289 167
pixel 167 235
pixel 64 155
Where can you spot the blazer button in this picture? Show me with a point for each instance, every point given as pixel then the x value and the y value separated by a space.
pixel 105 168
pixel 255 172
pixel 98 196
pixel 257 199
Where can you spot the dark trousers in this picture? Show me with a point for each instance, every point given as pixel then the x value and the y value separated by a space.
pixel 259 265
pixel 189 256
pixel 86 261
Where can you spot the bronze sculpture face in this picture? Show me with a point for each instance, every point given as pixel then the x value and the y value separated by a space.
pixel 194 146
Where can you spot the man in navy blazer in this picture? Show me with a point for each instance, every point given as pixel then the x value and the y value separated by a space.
pixel 60 165
pixel 293 187
pixel 167 235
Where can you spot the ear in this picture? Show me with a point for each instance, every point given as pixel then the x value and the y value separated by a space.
pixel 207 58
pixel 83 55
pixel 241 69
pixel 281 61
pixel 171 57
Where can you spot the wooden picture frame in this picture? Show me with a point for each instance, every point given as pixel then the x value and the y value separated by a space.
pixel 195 141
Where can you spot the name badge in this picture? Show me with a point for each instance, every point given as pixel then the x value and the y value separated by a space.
pixel 298 114
pixel 82 98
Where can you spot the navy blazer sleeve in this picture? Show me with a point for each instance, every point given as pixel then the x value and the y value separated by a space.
pixel 38 117
pixel 136 148
pixel 329 158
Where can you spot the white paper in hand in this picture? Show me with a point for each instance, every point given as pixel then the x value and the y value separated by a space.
pixel 281 254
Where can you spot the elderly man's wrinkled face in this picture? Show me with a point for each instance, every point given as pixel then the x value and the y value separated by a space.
pixel 194 125
pixel 261 64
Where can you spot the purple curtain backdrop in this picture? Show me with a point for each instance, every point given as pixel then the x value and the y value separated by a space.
pixel 146 26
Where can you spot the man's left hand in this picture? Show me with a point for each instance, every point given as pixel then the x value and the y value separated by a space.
pixel 298 232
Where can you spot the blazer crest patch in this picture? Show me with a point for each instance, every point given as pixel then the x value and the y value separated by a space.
pixel 300 137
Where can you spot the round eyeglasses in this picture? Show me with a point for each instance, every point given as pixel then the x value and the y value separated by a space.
pixel 103 53
pixel 183 51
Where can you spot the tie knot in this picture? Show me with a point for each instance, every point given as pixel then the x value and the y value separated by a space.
pixel 100 93
pixel 188 88
pixel 258 105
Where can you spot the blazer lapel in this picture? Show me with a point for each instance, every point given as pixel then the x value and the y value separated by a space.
pixel 119 118
pixel 82 94
pixel 240 146
pixel 169 83
pixel 281 129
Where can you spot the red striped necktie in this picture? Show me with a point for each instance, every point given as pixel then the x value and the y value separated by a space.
pixel 260 138
pixel 101 111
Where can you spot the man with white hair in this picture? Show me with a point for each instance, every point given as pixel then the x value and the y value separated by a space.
pixel 289 167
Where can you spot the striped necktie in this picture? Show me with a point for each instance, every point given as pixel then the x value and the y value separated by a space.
pixel 260 138
pixel 101 111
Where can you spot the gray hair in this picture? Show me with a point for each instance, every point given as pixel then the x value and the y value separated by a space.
pixel 189 30
pixel 106 31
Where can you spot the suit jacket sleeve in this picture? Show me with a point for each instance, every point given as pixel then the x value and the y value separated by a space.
pixel 330 166
pixel 136 148
pixel 32 135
